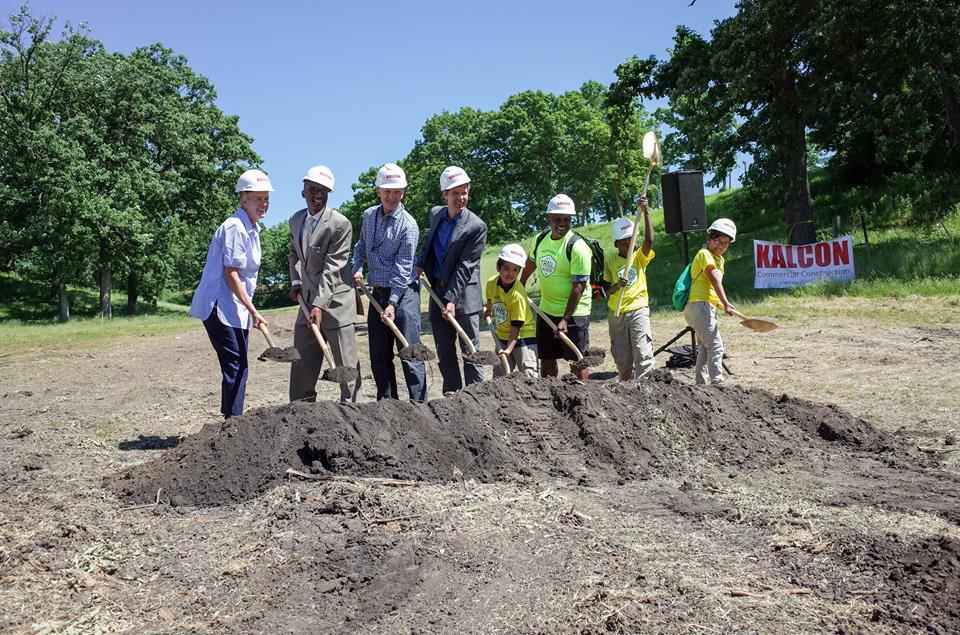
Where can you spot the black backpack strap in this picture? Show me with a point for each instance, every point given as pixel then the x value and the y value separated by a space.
pixel 536 245
pixel 571 243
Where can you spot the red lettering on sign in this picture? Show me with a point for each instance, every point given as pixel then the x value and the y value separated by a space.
pixel 778 260
pixel 841 253
pixel 822 254
pixel 791 263
pixel 763 256
pixel 804 256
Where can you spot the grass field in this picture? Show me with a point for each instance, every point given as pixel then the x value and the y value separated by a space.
pixel 902 263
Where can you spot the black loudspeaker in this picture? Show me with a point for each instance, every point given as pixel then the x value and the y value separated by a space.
pixel 684 207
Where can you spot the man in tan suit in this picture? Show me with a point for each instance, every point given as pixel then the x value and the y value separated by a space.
pixel 319 252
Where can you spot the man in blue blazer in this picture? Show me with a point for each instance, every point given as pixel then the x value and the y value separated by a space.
pixel 450 259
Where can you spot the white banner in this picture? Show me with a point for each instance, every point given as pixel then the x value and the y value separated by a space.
pixel 779 266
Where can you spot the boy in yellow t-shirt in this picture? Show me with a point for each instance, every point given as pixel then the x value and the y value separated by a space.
pixel 507 305
pixel 706 296
pixel 631 340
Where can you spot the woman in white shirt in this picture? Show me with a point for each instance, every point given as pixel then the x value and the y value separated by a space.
pixel 224 297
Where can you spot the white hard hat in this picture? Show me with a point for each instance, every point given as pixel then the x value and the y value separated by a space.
pixel 453 177
pixel 320 174
pixel 254 181
pixel 391 177
pixel 561 204
pixel 514 254
pixel 621 228
pixel 724 226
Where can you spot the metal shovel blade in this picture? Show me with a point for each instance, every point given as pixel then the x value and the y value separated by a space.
pixel 417 353
pixel 340 374
pixel 484 358
pixel 758 325
pixel 276 354
pixel 755 324
pixel 652 151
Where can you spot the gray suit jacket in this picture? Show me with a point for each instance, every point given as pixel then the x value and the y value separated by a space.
pixel 323 269
pixel 460 279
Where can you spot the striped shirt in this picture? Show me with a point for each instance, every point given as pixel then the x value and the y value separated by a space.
pixel 387 245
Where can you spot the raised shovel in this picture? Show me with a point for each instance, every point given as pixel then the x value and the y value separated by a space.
pixel 275 354
pixel 755 324
pixel 338 374
pixel 654 156
pixel 473 356
pixel 589 357
pixel 417 352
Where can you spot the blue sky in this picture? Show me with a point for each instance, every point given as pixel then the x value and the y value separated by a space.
pixel 349 84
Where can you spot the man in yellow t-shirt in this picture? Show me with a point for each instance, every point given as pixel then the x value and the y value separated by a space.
pixel 564 274
pixel 631 340
pixel 706 296
pixel 507 306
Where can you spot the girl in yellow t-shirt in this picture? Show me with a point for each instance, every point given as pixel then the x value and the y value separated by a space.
pixel 507 305
pixel 631 340
pixel 706 296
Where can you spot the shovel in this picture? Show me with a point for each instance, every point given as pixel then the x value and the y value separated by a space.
pixel 654 156
pixel 496 344
pixel 339 374
pixel 593 357
pixel 755 324
pixel 473 356
pixel 275 354
pixel 417 352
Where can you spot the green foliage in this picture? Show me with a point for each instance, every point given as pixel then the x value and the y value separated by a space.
pixel 871 90
pixel 534 146
pixel 110 164
pixel 273 280
pixel 902 261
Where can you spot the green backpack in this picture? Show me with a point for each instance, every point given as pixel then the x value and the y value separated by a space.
pixel 681 288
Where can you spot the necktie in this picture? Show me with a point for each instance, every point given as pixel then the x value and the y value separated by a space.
pixel 308 226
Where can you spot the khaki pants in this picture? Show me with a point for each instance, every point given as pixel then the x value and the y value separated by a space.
pixel 305 371
pixel 523 359
pixel 702 318
pixel 631 343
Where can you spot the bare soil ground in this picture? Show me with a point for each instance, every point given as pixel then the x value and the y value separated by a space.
pixel 817 492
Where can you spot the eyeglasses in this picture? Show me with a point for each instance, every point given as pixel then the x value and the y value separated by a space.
pixel 721 242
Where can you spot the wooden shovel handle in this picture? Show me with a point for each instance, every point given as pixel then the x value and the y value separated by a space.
pixel 389 322
pixel 504 359
pixel 266 333
pixel 316 332
pixel 471 349
pixel 563 336
pixel 633 237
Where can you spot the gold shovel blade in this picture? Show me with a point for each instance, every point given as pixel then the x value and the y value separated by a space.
pixel 758 325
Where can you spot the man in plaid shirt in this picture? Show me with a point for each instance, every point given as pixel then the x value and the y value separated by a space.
pixel 388 242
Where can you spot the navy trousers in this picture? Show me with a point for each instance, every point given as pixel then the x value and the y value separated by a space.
pixel 230 343
pixel 383 343
pixel 446 339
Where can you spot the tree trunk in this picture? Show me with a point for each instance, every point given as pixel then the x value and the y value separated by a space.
pixel 105 308
pixel 615 186
pixel 951 105
pixel 799 209
pixel 133 292
pixel 63 304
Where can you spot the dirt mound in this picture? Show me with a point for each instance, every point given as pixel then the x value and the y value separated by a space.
pixel 919 582
pixel 595 432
